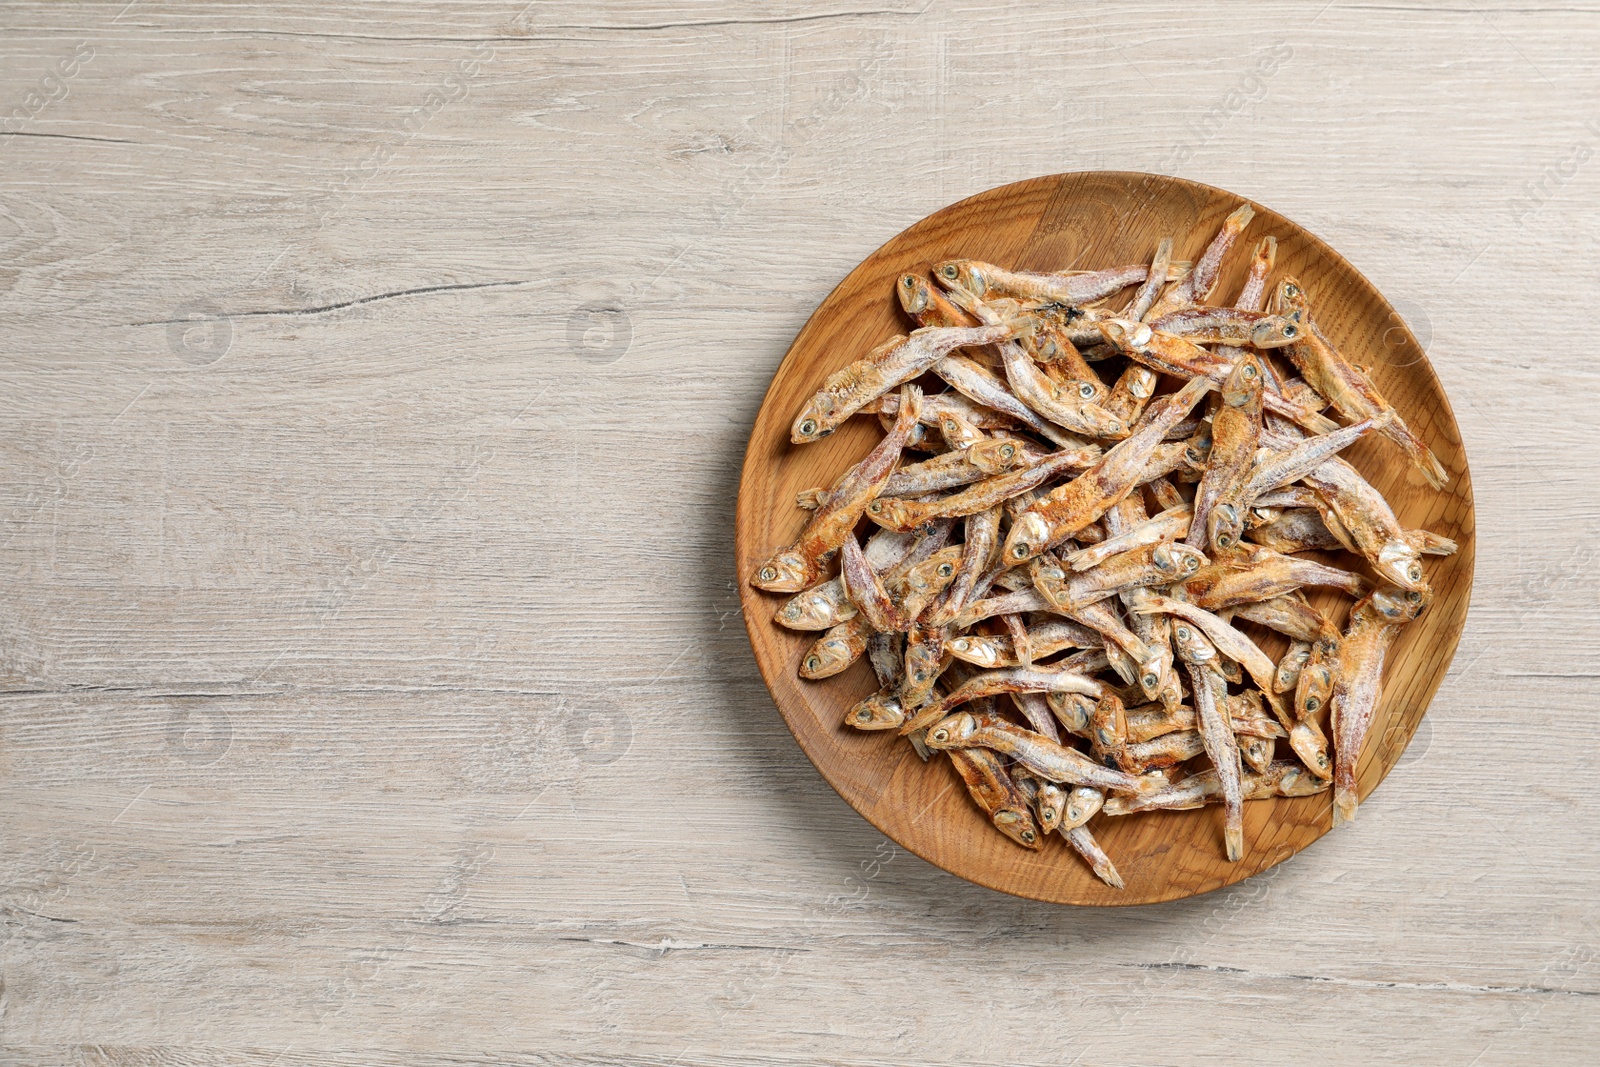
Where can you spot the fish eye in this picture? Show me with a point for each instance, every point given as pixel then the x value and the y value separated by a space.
pixel 808 427
pixel 945 570
pixel 1249 370
pixel 1313 703
pixel 1414 572
pixel 768 574
pixel 909 282
pixel 941 736
pixel 960 644
pixel 1291 289
pixel 813 662
pixel 1224 539
pixel 1008 451
pixel 1191 563
pixel 1150 681
pixel 864 715
pixel 1027 835
pixel 920 675
pixel 1183 633
pixel 1020 550
pixel 875 506
pixel 1414 596
pixel 1086 391
pixel 1290 331
pixel 949 270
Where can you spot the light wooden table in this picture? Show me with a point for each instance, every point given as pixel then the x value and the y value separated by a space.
pixel 375 380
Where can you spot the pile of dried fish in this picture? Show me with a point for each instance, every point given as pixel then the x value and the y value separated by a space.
pixel 1119 544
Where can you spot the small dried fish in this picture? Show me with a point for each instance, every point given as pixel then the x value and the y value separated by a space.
pixel 1196 287
pixel 1350 392
pixel 895 513
pixel 1374 624
pixel 980 279
pixel 1040 755
pixel 1219 503
pixel 801 564
pixel 896 361
pixel 1046 639
pixel 984 774
pixel 1228 326
pixel 1216 731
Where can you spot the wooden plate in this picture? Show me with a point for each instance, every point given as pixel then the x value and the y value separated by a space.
pixel 1083 221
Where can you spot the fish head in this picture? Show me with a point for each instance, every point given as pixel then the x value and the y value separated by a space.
pixel 953 731
pixel 1190 644
pixel 827 657
pixel 922 667
pixel 1314 687
pixel 1176 559
pixel 1052 801
pixel 1224 524
pixel 1311 745
pixel 1081 397
pixel 994 454
pixel 1082 803
pixel 880 711
pixel 1275 332
pixel 813 609
pixel 813 422
pixel 1047 346
pixel 959 433
pixel 1029 536
pixel 1291 665
pixel 1018 825
pixel 982 651
pixel 1401 564
pixel 1073 709
pixel 1152 675
pixel 934 573
pixel 1046 571
pixel 1401 605
pixel 891 513
pixel 963 274
pixel 1243 383
pixel 787 572
pixel 915 294
pixel 1299 782
pixel 1126 335
pixel 1289 298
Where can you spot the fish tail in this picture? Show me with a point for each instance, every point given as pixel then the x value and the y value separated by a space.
pixel 1422 456
pixel 1345 800
pixel 1234 836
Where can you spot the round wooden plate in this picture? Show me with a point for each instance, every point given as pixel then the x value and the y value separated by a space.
pixel 1085 221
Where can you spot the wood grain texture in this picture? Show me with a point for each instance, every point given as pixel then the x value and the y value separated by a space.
pixel 376 692
pixel 1090 221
